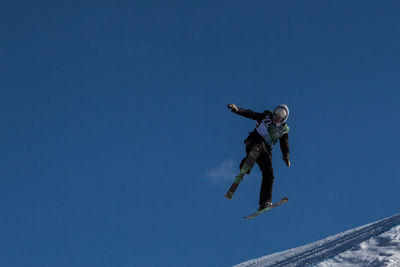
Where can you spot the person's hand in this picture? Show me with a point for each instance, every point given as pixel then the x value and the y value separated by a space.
pixel 287 161
pixel 233 107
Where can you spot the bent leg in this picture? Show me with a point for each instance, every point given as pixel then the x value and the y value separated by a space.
pixel 252 153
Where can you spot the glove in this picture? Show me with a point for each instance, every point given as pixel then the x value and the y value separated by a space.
pixel 287 161
pixel 233 107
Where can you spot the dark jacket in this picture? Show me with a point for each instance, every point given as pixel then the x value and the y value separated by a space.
pixel 255 137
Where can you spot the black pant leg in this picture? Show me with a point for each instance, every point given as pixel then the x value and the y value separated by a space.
pixel 265 164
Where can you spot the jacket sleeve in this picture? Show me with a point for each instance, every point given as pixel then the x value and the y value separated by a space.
pixel 247 113
pixel 284 144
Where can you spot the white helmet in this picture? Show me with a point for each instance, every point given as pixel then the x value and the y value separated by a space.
pixel 280 114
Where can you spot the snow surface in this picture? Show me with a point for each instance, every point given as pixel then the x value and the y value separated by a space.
pixel 376 244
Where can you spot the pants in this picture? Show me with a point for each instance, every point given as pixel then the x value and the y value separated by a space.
pixel 264 162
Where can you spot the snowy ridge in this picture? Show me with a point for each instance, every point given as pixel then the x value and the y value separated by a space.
pixel 382 250
pixel 359 239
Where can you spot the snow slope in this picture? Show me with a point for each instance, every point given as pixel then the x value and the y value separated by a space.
pixel 375 244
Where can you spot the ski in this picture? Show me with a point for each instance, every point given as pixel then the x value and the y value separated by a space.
pixel 248 164
pixel 255 214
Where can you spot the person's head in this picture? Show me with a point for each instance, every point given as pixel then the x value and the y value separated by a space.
pixel 280 114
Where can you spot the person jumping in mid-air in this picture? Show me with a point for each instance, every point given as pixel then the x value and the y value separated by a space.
pixel 271 127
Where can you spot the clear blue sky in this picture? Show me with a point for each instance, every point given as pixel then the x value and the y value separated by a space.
pixel 114 115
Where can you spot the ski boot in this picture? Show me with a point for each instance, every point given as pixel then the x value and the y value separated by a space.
pixel 265 205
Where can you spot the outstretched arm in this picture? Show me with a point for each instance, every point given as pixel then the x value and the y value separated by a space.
pixel 284 144
pixel 247 113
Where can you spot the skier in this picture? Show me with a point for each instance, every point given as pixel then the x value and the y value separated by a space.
pixel 270 127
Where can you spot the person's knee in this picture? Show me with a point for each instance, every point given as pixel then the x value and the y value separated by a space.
pixel 267 172
pixel 268 176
